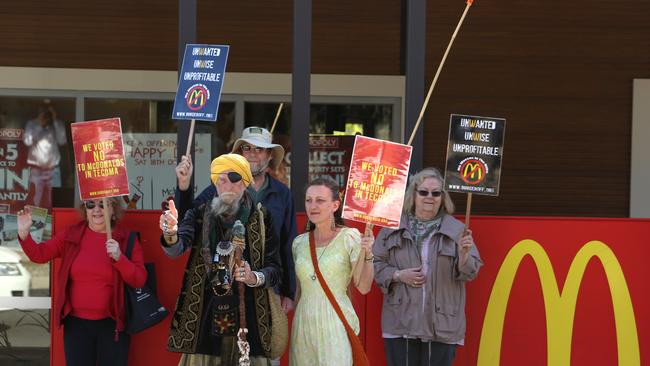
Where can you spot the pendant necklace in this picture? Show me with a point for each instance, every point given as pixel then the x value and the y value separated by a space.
pixel 313 275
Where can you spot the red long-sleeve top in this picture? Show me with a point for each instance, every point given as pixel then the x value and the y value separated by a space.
pixel 79 249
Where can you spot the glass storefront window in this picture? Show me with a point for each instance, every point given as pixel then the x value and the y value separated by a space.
pixel 149 136
pixel 343 120
pixel 24 335
pixel 372 120
pixel 42 146
pixel 133 113
pixel 222 131
pixel 36 165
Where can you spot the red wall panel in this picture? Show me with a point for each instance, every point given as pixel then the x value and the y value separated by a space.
pixel 524 336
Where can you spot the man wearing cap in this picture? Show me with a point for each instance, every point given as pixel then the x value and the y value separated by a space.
pixel 256 146
pixel 207 316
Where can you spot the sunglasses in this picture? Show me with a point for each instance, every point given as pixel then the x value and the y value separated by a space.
pixel 234 177
pixel 425 193
pixel 247 148
pixel 91 204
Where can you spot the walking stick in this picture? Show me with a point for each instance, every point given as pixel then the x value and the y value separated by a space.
pixel 239 243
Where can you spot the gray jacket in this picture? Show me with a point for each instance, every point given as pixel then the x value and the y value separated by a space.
pixel 436 313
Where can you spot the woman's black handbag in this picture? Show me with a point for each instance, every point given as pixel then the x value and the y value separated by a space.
pixel 143 309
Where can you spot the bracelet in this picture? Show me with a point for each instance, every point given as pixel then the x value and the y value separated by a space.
pixel 169 231
pixel 259 279
pixel 369 259
pixel 170 239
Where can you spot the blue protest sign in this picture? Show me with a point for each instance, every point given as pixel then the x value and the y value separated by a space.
pixel 200 82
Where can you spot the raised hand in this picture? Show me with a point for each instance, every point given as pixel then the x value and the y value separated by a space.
pixel 184 172
pixel 367 241
pixel 113 249
pixel 243 273
pixel 465 244
pixel 169 220
pixel 24 222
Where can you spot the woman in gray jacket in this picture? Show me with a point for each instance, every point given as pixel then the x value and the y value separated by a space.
pixel 421 267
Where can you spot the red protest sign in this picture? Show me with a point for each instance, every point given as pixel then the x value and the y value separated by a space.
pixel 99 158
pixel 377 181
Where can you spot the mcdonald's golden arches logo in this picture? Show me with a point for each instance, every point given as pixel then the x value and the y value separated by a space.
pixel 196 97
pixel 560 306
pixel 472 170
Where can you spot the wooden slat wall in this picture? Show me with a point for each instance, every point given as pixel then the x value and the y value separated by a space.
pixel 116 34
pixel 348 37
pixel 560 72
pixel 359 37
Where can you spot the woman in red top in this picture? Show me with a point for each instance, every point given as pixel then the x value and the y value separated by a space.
pixel 93 272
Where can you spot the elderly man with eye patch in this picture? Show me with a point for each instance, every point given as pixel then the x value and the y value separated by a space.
pixel 206 320
pixel 257 147
pixel 421 268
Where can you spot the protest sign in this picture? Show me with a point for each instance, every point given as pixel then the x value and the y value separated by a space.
pixel 47 231
pixel 376 182
pixel 39 219
pixel 200 82
pixel 330 155
pixel 151 160
pixel 99 159
pixel 8 227
pixel 474 154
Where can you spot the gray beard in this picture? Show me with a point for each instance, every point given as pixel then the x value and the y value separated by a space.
pixel 220 208
pixel 261 169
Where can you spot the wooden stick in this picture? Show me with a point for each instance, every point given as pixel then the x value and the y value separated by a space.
pixel 189 138
pixel 107 218
pixel 468 210
pixel 435 78
pixel 277 115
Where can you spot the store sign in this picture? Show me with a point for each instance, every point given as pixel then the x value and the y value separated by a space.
pixel 330 155
pixel 560 306
pixel 99 158
pixel 200 82
pixel 377 181
pixel 14 172
pixel 151 160
pixel 14 183
pixel 474 154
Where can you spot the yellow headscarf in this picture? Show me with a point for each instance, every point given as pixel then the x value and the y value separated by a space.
pixel 234 162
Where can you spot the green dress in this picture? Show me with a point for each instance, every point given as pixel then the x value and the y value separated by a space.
pixel 317 334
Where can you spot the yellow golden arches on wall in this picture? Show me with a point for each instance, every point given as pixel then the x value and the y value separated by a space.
pixel 559 306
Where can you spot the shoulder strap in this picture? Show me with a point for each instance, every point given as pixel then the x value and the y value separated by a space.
pixel 323 284
pixel 131 243
pixel 359 357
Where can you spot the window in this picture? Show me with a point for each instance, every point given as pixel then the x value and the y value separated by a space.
pixel 336 118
